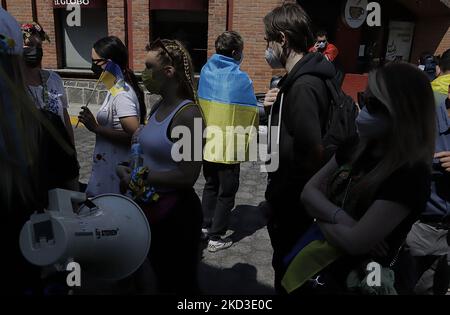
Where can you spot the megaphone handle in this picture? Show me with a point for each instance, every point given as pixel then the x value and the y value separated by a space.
pixel 88 203
pixel 78 197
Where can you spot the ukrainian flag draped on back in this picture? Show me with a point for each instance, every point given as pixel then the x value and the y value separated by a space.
pixel 112 78
pixel 227 99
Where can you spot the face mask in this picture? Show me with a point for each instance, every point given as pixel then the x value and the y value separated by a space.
pixel 98 70
pixel 371 126
pixel 273 60
pixel 33 56
pixel 322 45
pixel 151 84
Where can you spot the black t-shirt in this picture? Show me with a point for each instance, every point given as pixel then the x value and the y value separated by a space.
pixel 408 186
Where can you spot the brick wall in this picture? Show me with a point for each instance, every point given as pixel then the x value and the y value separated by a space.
pixel 116 18
pixel 46 19
pixel 21 10
pixel 141 30
pixel 431 34
pixel 247 20
pixel 217 22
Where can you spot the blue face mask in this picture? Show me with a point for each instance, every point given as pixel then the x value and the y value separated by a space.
pixel 273 60
pixel 371 126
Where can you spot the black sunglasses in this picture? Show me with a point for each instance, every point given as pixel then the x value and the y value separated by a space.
pixel 97 61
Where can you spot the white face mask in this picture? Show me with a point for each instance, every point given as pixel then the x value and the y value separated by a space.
pixel 273 60
pixel 371 126
pixel 322 45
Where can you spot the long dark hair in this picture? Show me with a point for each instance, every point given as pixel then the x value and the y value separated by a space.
pixel 406 94
pixel 112 48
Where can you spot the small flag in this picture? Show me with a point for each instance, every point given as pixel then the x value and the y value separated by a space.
pixel 309 256
pixel 113 78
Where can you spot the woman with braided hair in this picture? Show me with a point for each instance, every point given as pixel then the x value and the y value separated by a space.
pixel 176 218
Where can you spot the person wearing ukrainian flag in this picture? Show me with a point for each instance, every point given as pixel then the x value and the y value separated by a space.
pixel 121 114
pixel 229 104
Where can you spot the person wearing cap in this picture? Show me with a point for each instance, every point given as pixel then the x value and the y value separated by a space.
pixel 29 154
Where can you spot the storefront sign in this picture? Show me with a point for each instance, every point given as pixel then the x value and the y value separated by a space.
pixel 62 4
pixel 355 13
pixel 400 40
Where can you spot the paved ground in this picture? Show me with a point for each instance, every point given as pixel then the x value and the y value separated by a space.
pixel 244 268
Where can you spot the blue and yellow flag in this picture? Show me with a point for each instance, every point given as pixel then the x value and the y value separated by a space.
pixel 310 256
pixel 112 78
pixel 230 110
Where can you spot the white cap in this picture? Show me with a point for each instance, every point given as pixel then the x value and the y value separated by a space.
pixel 11 38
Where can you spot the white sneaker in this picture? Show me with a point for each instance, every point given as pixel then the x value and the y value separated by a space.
pixel 214 246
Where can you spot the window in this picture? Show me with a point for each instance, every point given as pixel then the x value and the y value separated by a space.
pixel 189 27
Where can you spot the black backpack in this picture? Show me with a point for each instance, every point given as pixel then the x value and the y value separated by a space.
pixel 340 124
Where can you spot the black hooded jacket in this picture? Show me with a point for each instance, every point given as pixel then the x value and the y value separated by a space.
pixel 304 103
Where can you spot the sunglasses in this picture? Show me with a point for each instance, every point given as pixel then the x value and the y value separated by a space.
pixel 157 43
pixel 97 61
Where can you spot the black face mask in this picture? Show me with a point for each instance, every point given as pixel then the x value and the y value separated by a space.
pixel 33 56
pixel 98 70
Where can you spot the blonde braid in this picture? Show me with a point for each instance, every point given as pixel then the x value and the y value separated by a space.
pixel 189 75
pixel 187 65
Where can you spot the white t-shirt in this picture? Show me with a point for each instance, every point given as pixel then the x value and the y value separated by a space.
pixel 107 155
pixel 57 99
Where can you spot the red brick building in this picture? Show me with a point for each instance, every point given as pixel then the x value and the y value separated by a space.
pixel 424 26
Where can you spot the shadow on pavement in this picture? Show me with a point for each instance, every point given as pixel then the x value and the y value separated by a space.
pixel 246 220
pixel 241 279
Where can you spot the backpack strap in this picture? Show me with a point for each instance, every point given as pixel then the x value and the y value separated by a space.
pixel 335 92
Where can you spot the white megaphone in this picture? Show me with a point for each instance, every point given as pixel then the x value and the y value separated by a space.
pixel 109 236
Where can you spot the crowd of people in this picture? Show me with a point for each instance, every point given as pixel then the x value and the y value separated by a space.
pixel 380 196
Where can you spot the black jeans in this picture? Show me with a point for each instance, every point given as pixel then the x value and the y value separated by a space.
pixel 222 184
pixel 287 223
